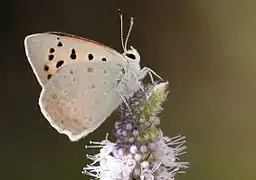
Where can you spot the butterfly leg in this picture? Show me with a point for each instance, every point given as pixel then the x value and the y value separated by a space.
pixel 125 102
pixel 143 89
pixel 150 71
pixel 138 81
pixel 144 71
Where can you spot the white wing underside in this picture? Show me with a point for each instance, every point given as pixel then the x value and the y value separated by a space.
pixel 39 49
pixel 78 98
pixel 79 79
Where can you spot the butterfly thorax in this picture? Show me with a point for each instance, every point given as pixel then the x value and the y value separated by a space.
pixel 130 82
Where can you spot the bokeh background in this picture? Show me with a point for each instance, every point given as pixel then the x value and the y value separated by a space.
pixel 204 48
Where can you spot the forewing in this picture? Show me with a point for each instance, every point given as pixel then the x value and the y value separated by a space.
pixel 49 52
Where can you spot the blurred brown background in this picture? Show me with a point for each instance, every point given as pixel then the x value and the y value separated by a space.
pixel 204 48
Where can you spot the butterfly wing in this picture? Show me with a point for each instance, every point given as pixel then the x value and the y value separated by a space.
pixel 49 52
pixel 79 98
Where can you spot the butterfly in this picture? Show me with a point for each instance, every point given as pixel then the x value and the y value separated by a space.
pixel 83 81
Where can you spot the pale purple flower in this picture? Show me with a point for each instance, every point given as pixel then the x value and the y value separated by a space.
pixel 141 151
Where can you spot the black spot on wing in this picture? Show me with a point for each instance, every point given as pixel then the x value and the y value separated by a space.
pixel 90 56
pixel 51 50
pixel 73 54
pixel 46 68
pixel 59 63
pixel 59 44
pixel 49 76
pixel 50 57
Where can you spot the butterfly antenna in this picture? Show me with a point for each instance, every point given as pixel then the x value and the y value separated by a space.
pixel 122 30
pixel 128 34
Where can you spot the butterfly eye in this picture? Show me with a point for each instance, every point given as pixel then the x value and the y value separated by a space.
pixel 131 56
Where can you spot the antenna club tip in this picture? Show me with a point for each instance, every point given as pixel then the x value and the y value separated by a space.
pixel 119 11
pixel 132 19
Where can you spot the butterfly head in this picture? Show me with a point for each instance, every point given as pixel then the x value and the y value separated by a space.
pixel 132 55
